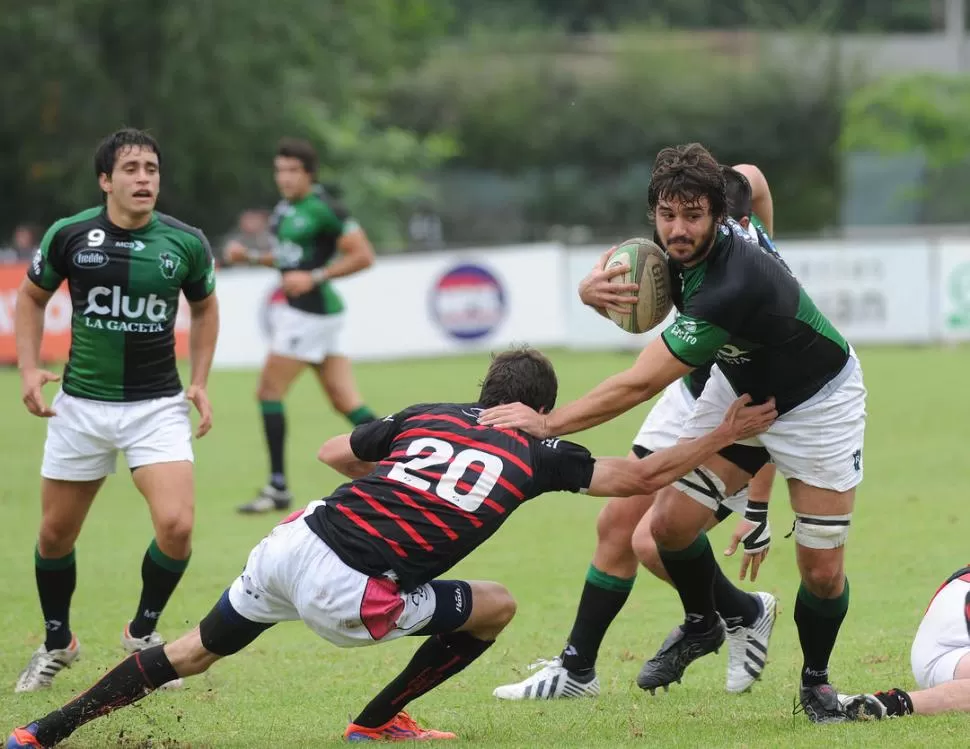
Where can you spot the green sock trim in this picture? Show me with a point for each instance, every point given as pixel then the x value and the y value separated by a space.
pixel 271 407
pixel 830 608
pixel 361 415
pixel 164 561
pixel 698 546
pixel 61 563
pixel 609 582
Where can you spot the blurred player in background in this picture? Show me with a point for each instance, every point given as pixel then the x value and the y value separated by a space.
pixel 613 570
pixel 317 241
pixel 125 265
pixel 940 659
pixel 741 304
pixel 362 566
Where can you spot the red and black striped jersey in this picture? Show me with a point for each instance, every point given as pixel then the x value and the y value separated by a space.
pixel 442 485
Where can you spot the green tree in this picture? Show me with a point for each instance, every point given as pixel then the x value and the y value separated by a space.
pixel 217 81
pixel 571 141
pixel 927 112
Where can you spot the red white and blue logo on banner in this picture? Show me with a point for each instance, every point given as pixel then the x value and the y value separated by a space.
pixel 468 302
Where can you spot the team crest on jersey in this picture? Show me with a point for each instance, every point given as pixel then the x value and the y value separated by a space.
pixel 169 263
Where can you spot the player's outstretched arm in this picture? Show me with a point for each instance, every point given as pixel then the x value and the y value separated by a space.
pixel 337 453
pixel 653 370
pixel 29 332
pixel 615 477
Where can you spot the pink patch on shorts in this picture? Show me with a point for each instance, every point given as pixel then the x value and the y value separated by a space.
pixel 380 607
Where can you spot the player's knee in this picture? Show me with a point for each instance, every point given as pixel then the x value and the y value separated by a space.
pixel 500 606
pixel 663 526
pixel 174 533
pixel 189 656
pixel 56 538
pixel 645 547
pixel 613 535
pixel 266 391
pixel 824 578
pixel 505 610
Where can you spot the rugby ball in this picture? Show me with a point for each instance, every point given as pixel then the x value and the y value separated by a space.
pixel 648 269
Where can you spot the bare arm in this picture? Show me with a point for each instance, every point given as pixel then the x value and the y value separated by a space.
pixel 29 323
pixel 203 332
pixel 622 477
pixel 337 454
pixel 356 254
pixel 653 370
pixel 29 320
pixel 761 202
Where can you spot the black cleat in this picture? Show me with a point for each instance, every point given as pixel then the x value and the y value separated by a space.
pixel 820 703
pixel 678 651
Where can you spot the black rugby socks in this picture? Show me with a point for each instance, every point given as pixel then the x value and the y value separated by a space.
pixel 135 677
pixel 56 579
pixel 818 621
pixel 274 426
pixel 602 599
pixel 438 659
pixel 159 575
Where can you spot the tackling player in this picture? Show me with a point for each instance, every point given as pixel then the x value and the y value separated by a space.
pixel 362 565
pixel 939 658
pixel 613 569
pixel 739 303
pixel 125 265
pixel 317 241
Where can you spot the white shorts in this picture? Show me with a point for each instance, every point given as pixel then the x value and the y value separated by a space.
pixel 84 438
pixel 818 442
pixel 663 426
pixel 304 336
pixel 292 574
pixel 942 638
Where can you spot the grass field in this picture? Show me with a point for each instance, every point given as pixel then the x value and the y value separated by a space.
pixel 290 689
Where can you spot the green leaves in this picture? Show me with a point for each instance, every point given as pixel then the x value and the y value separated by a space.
pixel 218 82
pixel 927 112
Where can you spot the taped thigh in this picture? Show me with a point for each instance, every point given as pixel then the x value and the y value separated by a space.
pixel 821 531
pixel 703 486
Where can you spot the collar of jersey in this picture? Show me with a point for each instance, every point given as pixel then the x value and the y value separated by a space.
pixel 151 222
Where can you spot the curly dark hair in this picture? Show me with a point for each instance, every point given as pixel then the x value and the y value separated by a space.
pixel 688 173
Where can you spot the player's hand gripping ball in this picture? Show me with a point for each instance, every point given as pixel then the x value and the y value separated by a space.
pixel 648 270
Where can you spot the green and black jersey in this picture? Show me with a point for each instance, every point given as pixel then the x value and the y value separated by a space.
pixel 124 288
pixel 697 378
pixel 307 233
pixel 743 307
